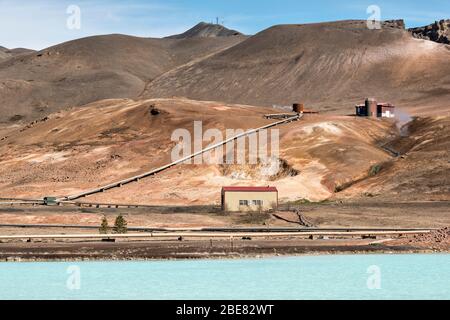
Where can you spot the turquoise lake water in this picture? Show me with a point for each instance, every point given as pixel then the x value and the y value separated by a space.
pixel 305 277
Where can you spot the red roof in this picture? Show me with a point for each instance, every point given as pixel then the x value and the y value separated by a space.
pixel 249 189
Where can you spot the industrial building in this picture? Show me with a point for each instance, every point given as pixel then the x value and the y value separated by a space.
pixel 372 108
pixel 245 199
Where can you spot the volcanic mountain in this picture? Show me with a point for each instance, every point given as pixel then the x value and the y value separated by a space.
pixel 207 30
pixel 329 66
pixel 74 73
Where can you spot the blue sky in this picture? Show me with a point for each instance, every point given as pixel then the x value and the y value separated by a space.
pixel 38 24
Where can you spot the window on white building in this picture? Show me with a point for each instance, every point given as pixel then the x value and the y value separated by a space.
pixel 243 202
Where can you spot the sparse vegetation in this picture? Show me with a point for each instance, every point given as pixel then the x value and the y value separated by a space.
pixel 254 217
pixel 104 227
pixel 260 208
pixel 301 201
pixel 291 205
pixel 120 225
pixel 374 170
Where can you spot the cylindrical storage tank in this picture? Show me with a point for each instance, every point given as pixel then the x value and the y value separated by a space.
pixel 298 107
pixel 371 106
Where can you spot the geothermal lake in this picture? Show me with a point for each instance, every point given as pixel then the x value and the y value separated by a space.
pixel 305 277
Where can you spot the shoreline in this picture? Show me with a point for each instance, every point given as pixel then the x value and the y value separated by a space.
pixel 195 250
pixel 217 258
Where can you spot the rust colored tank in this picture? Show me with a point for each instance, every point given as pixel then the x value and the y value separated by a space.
pixel 371 105
pixel 298 107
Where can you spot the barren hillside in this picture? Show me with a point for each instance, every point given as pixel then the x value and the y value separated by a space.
pixel 330 66
pixel 6 53
pixel 90 69
pixel 422 172
pixel 85 147
pixel 3 53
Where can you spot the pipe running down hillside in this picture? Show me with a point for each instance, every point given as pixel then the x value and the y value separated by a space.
pixel 121 183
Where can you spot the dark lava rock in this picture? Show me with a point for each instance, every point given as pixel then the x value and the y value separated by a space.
pixel 397 24
pixel 437 32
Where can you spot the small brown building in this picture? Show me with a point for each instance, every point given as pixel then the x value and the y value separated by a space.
pixel 244 199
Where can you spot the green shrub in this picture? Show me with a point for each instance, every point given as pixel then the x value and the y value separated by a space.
pixel 104 227
pixel 374 170
pixel 120 225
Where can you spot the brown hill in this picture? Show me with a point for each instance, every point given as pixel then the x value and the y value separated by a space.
pixel 330 66
pixel 421 172
pixel 8 53
pixel 207 30
pixel 90 69
pixel 3 55
pixel 85 147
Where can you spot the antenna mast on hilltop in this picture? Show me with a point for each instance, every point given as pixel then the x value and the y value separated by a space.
pixel 222 22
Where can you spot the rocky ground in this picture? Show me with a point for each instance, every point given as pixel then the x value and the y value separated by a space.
pixel 437 240
pixel 438 32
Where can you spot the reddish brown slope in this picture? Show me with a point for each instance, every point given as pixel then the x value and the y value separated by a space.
pixel 109 140
pixel 423 170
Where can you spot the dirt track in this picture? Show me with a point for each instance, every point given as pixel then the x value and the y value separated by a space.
pixel 326 215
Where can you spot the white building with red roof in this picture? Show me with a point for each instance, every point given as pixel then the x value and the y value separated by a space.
pixel 245 199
